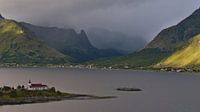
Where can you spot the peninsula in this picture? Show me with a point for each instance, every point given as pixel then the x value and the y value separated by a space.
pixel 39 94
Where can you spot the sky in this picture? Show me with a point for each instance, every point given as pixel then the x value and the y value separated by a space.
pixel 135 18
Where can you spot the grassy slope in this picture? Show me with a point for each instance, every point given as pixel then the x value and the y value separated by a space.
pixel 143 58
pixel 174 37
pixel 188 56
pixel 18 45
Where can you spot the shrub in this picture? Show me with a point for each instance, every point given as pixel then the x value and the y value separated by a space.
pixel 6 88
pixel 13 94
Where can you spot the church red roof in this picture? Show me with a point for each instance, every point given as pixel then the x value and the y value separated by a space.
pixel 37 85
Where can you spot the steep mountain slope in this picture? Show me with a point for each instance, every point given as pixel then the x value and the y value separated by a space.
pixel 70 43
pixel 187 57
pixel 19 46
pixel 174 37
pixel 162 46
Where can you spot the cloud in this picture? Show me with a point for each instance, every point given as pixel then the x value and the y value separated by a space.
pixel 104 39
pixel 136 18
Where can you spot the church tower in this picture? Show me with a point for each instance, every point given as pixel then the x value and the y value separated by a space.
pixel 29 83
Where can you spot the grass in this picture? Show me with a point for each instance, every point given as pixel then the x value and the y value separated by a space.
pixel 144 58
pixel 20 46
pixel 187 57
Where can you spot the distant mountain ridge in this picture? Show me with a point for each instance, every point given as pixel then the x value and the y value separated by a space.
pixel 23 43
pixel 68 42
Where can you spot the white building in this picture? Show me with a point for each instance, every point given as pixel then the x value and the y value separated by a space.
pixel 36 86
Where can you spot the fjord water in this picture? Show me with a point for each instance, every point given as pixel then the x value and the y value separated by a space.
pixel 162 92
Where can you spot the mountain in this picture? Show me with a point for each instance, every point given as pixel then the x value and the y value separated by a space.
pixel 174 37
pixel 115 40
pixel 20 46
pixel 187 57
pixel 167 42
pixel 68 42
pixel 184 38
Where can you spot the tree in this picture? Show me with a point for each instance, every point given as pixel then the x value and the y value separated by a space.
pixel 23 87
pixel 19 87
pixel 52 90
pixel 59 93
pixel 6 88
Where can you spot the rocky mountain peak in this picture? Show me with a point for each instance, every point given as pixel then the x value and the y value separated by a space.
pixel 83 33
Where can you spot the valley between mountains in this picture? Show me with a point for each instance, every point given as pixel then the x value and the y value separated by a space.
pixel 21 43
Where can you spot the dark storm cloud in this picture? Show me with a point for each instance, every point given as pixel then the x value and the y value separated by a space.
pixel 136 18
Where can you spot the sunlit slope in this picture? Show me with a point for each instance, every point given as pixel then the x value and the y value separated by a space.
pixel 188 56
pixel 18 45
pixel 174 37
pixel 144 58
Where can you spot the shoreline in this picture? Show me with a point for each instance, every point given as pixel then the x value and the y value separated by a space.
pixel 33 100
pixel 22 95
pixel 113 69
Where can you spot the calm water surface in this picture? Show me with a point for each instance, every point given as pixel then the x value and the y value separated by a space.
pixel 163 92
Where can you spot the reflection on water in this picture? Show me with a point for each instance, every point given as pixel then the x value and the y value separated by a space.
pixel 163 92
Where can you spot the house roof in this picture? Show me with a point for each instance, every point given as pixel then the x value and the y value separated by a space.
pixel 37 85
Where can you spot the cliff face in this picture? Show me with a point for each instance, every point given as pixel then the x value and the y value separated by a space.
pixel 69 42
pixel 59 38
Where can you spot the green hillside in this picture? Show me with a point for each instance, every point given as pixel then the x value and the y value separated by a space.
pixel 141 59
pixel 19 46
pixel 187 57
pixel 174 37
